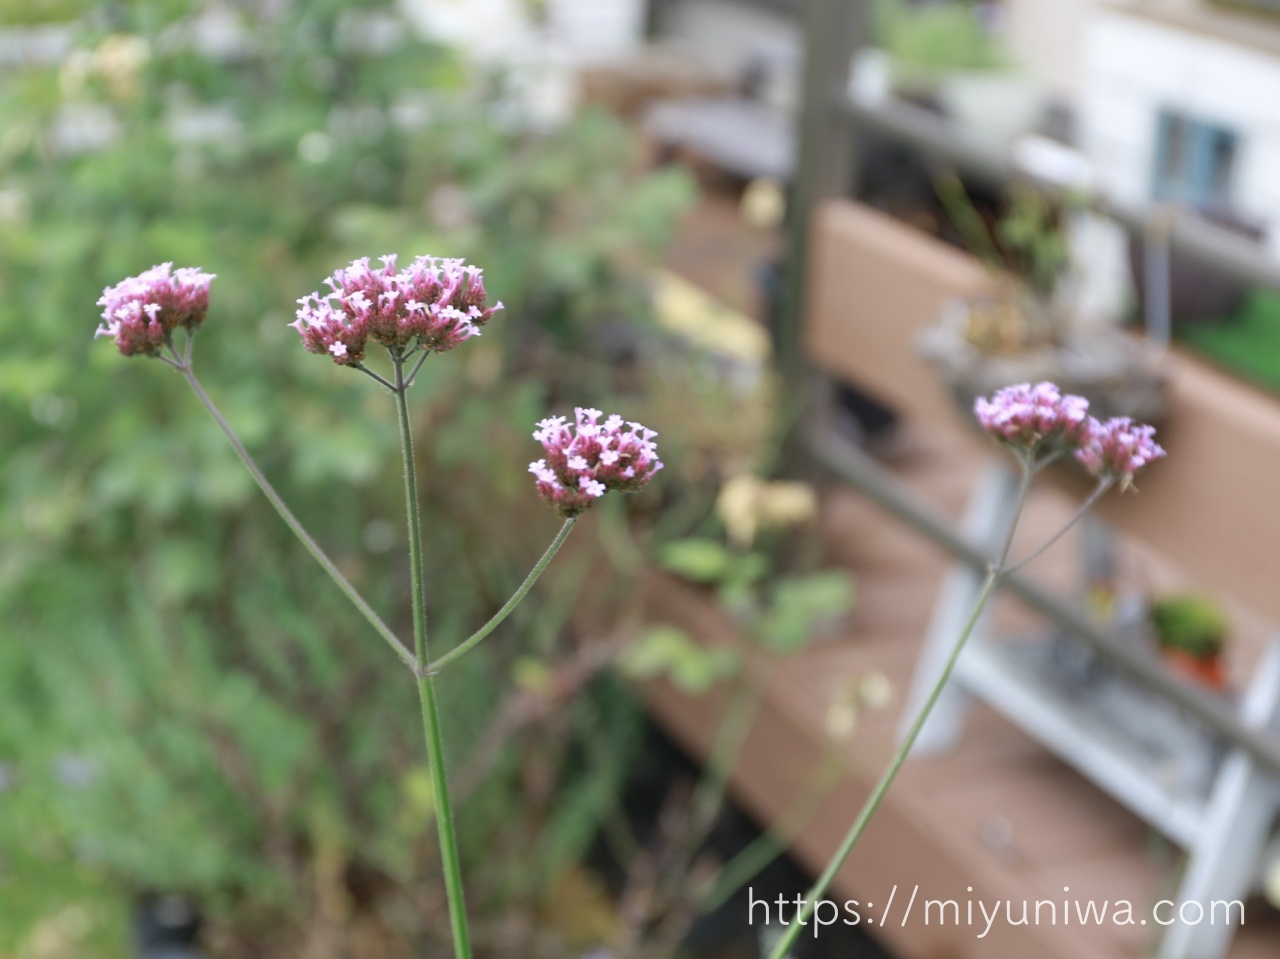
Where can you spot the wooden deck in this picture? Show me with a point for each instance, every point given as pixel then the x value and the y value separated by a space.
pixel 1000 814
pixel 999 818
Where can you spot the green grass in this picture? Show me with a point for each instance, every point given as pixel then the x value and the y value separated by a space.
pixel 1247 344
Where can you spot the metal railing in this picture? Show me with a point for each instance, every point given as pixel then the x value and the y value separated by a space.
pixel 882 487
pixel 939 138
pixel 834 29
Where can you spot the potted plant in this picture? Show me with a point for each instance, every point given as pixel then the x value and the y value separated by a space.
pixel 1027 327
pixel 950 54
pixel 1191 631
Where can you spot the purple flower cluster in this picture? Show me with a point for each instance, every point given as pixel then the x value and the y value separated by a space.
pixel 434 304
pixel 1026 416
pixel 1029 418
pixel 588 458
pixel 1119 448
pixel 141 312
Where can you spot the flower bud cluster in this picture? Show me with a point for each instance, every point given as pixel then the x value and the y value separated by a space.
pixel 587 458
pixel 1027 417
pixel 141 312
pixel 1119 448
pixel 1030 419
pixel 434 304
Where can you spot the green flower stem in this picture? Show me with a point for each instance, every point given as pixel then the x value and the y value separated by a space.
pixel 291 521
pixel 1104 484
pixel 413 374
pixel 381 380
pixel 511 604
pixel 994 575
pixel 886 780
pixel 426 687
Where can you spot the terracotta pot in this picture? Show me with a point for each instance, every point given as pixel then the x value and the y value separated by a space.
pixel 1211 670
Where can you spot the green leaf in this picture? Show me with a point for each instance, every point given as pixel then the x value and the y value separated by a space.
pixel 667 651
pixel 700 560
pixel 799 604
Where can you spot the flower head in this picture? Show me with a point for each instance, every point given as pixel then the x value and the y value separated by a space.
pixel 1118 448
pixel 1027 417
pixel 141 312
pixel 587 458
pixel 434 304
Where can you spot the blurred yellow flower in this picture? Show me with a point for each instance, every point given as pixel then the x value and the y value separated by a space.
pixel 764 203
pixel 119 60
pixel 684 309
pixel 747 504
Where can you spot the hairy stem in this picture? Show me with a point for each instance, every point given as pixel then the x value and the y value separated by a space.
pixel 997 572
pixel 994 575
pixel 426 686
pixel 510 604
pixel 380 380
pixel 1104 484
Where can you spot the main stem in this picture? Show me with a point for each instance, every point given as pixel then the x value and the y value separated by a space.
pixel 426 687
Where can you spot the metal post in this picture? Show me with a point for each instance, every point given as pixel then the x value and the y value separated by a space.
pixel 655 18
pixel 833 30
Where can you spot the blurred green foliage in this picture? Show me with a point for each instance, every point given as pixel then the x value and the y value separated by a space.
pixel 1193 624
pixel 930 38
pixel 188 706
pixel 1247 343
pixel 779 602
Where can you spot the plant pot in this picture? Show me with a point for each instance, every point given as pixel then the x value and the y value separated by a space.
pixel 1210 671
pixel 1118 374
pixel 997 106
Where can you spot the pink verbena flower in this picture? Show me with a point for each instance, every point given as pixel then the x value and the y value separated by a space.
pixel 141 312
pixel 1027 417
pixel 435 304
pixel 1118 448
pixel 587 458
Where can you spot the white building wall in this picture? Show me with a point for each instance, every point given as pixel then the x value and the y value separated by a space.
pixel 541 55
pixel 1133 68
pixel 1046 38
